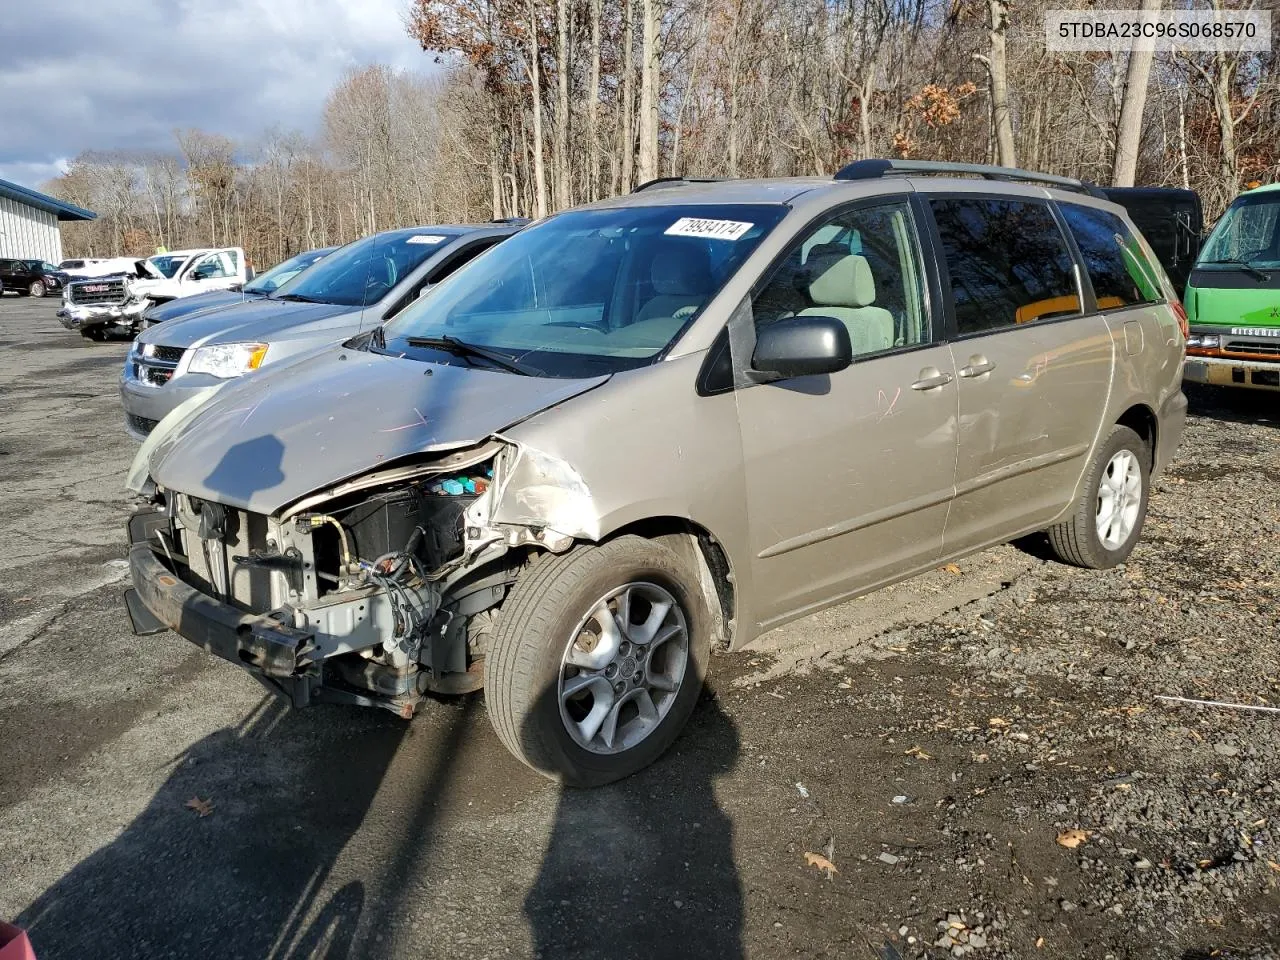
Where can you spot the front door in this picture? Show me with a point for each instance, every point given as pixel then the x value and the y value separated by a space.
pixel 1033 367
pixel 848 476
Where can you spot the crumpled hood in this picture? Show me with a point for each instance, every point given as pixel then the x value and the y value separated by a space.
pixel 267 440
pixel 249 320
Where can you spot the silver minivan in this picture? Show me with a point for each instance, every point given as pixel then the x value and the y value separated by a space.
pixel 660 425
pixel 355 287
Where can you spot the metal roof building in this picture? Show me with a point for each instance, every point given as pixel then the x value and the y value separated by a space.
pixel 29 223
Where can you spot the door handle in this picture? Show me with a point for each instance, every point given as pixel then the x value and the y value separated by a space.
pixel 977 366
pixel 931 378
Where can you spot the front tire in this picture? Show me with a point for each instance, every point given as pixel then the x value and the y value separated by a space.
pixel 36 289
pixel 1106 523
pixel 597 660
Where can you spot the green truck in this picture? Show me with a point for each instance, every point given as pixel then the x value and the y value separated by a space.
pixel 1233 297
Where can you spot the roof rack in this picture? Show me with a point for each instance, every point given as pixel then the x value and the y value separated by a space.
pixel 874 169
pixel 675 182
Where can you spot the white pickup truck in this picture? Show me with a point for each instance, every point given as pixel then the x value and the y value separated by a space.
pixel 100 306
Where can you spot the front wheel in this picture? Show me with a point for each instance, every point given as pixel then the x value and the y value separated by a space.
pixel 36 289
pixel 597 660
pixel 1107 520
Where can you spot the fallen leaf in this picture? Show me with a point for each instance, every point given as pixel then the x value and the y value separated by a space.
pixel 822 863
pixel 1072 838
pixel 999 722
pixel 918 753
pixel 950 568
pixel 1039 942
pixel 202 807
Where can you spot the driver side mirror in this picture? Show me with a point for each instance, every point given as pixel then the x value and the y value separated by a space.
pixel 802 347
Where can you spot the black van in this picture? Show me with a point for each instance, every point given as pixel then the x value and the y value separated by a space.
pixel 1171 219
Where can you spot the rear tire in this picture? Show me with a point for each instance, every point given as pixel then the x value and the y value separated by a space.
pixel 1106 523
pixel 574 693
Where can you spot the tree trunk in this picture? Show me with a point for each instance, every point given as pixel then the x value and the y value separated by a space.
pixel 593 108
pixel 998 68
pixel 650 80
pixel 1182 138
pixel 626 115
pixel 1129 128
pixel 535 78
pixel 1228 167
pixel 563 68
pixel 495 171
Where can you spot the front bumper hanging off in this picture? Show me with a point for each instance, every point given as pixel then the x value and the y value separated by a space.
pixel 276 653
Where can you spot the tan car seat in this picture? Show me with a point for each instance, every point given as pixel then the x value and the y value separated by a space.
pixel 681 277
pixel 844 288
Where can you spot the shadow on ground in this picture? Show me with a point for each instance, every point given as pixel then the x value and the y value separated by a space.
pixel 1260 407
pixel 644 867
pixel 241 881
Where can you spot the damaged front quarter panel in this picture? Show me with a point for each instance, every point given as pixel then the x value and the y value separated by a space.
pixel 541 499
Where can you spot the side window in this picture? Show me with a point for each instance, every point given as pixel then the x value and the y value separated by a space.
pixel 1009 263
pixel 1121 274
pixel 862 267
pixel 212 267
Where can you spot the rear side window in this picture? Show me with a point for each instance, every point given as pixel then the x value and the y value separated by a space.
pixel 1008 261
pixel 1121 274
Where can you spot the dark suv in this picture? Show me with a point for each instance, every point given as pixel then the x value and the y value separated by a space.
pixel 32 278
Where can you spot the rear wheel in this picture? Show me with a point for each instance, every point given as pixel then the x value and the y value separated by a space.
pixel 1107 521
pixel 36 289
pixel 597 660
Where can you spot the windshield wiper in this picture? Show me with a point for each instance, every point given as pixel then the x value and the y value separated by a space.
pixel 463 349
pixel 295 297
pixel 1249 268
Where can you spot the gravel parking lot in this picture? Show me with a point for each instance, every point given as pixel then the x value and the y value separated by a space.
pixel 979 754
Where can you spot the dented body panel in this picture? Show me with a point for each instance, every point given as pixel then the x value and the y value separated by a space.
pixel 267 441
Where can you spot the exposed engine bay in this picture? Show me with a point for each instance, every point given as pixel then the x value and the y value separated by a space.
pixel 375 592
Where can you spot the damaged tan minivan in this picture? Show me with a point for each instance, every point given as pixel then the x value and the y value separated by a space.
pixel 659 425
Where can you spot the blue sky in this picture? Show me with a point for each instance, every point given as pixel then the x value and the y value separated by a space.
pixel 123 74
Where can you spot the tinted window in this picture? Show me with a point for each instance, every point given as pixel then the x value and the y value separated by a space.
pixel 1118 269
pixel 861 267
pixel 1009 263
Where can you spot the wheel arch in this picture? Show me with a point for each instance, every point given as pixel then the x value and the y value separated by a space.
pixel 701 547
pixel 1142 420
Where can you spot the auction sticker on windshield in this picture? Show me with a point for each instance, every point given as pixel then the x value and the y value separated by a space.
pixel 425 238
pixel 709 229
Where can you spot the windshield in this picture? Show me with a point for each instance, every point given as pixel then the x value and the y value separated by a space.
pixel 365 271
pixel 71 264
pixel 166 264
pixel 1246 232
pixel 590 291
pixel 282 273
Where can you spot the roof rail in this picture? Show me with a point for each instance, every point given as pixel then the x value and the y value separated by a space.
pixel 874 169
pixel 675 182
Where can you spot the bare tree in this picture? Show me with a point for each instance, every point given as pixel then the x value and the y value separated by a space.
pixel 650 79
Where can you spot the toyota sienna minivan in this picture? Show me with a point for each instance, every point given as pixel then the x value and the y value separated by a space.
pixel 662 424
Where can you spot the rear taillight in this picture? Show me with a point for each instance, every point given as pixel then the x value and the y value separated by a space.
pixel 1180 312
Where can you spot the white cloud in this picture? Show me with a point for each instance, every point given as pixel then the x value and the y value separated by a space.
pixel 124 74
